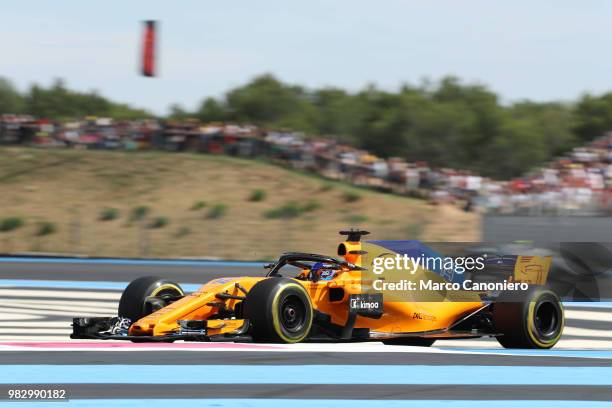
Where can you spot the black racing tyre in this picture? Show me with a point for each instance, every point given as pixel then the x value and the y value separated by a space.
pixel 279 310
pixel 409 341
pixel 132 302
pixel 532 319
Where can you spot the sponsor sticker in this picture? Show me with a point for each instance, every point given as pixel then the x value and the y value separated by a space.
pixel 368 305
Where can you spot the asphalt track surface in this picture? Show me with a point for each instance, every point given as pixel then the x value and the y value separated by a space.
pixel 332 385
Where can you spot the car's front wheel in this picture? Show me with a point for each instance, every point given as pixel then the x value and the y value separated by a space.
pixel 144 295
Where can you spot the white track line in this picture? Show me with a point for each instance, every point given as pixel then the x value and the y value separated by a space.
pixel 60 294
pixel 62 302
pixel 65 331
pixel 588 315
pixel 54 324
pixel 33 338
pixel 70 313
pixel 578 331
pixel 65 307
pixel 19 316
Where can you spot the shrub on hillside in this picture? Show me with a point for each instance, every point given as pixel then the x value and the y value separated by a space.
pixel 198 205
pixel 108 214
pixel 287 210
pixel 311 205
pixel 138 213
pixel 10 224
pixel 292 210
pixel 45 228
pixel 257 195
pixel 217 211
pixel 159 222
pixel 351 196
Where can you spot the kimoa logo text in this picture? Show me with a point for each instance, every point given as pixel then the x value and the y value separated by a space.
pixel 362 304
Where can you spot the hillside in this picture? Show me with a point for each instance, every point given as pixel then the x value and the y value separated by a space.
pixel 157 204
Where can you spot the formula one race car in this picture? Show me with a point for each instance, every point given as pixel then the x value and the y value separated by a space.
pixel 309 297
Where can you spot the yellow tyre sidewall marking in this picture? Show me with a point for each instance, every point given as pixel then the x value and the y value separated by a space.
pixel 531 329
pixel 166 286
pixel 276 318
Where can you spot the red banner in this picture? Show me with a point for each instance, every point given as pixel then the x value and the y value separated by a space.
pixel 148 49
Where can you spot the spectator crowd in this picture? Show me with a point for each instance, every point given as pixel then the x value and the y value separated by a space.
pixel 579 183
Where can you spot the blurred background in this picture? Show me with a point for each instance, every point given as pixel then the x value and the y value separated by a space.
pixel 241 131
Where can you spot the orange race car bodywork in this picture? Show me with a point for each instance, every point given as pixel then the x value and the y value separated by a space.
pixel 215 312
pixel 398 317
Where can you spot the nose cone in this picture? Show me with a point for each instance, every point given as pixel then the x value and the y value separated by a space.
pixel 141 329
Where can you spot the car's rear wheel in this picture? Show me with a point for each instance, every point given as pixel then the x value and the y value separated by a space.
pixel 532 319
pixel 279 310
pixel 409 341
pixel 144 295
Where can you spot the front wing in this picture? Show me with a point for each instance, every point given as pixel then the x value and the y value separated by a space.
pixel 116 328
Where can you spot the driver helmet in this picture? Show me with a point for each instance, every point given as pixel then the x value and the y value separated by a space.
pixel 319 270
pixel 316 266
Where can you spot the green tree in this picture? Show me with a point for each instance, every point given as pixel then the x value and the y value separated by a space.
pixel 211 110
pixel 60 103
pixel 10 99
pixel 593 116
pixel 178 112
pixel 266 100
